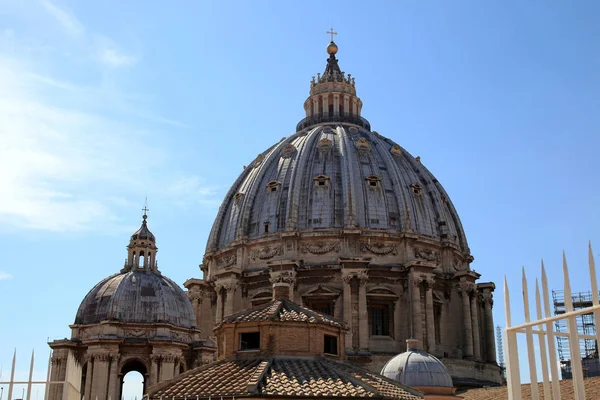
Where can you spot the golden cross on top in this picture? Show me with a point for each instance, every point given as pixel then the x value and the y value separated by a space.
pixel 331 32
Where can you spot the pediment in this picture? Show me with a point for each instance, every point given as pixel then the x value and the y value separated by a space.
pixel 381 291
pixel 321 290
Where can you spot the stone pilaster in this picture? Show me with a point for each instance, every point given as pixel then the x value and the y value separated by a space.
pixel 114 382
pixel 347 295
pixel 465 289
pixel 88 377
pixel 363 314
pixel 475 321
pixel 154 369
pixel 398 337
pixel 100 378
pixel 167 367
pixel 415 306
pixel 219 311
pixel 430 321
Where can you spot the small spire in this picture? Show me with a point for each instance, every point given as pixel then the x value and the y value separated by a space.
pixel 332 33
pixel 145 210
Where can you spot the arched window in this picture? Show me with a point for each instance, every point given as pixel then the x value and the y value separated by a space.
pixel 133 381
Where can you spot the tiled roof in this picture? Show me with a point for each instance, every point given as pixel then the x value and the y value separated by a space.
pixel 592 391
pixel 282 376
pixel 282 310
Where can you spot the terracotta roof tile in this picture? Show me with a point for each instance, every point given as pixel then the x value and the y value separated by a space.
pixel 282 376
pixel 282 310
pixel 592 391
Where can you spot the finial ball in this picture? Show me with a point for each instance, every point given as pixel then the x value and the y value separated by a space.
pixel 332 48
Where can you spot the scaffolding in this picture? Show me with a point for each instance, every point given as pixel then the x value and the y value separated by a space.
pixel 588 348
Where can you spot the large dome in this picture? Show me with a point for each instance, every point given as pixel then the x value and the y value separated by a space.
pixel 334 177
pixel 137 296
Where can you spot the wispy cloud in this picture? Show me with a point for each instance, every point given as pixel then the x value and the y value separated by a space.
pixel 69 23
pixel 5 276
pixel 190 190
pixel 110 55
pixel 100 48
pixel 73 156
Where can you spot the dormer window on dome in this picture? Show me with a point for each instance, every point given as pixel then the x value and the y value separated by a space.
pixel 321 181
pixel 373 181
pixel 272 186
pixel 416 188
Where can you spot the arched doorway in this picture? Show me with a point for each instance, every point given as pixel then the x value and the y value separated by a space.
pixel 133 380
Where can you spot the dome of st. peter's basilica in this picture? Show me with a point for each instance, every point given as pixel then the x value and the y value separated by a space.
pixel 364 232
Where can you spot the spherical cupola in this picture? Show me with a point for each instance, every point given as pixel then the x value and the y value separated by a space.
pixel 420 370
pixel 139 293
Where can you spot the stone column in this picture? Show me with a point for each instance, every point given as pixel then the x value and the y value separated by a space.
pixel 219 311
pixel 88 377
pixel 113 378
pixel 398 324
pixel 429 315
pixel 229 300
pixel 154 360
pixel 415 306
pixel 100 379
pixel 475 321
pixel 57 373
pixel 325 98
pixel 490 342
pixel 167 367
pixel 363 313
pixel 336 104
pixel 346 105
pixel 464 289
pixel 347 278
pixel 337 309
pixel 315 109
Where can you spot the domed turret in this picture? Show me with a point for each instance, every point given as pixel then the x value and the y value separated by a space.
pixel 139 293
pixel 420 370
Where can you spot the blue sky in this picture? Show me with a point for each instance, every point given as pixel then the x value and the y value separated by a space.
pixel 104 103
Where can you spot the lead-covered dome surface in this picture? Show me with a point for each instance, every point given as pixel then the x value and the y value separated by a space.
pixel 334 177
pixel 137 296
pixel 417 368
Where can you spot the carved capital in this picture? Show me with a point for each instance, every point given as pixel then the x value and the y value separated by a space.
pixel 429 280
pixel 466 288
pixel 229 286
pixel 168 358
pixel 362 277
pixel 155 358
pixel 58 360
pixel 347 278
pixel 416 281
pixel 288 277
pixel 102 357
pixel 487 298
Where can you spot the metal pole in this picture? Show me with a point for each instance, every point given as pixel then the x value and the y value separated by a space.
pixel 542 343
pixel 30 377
pixel 12 375
pixel 513 377
pixel 594 282
pixel 529 338
pixel 576 367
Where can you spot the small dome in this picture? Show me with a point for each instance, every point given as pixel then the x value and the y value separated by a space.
pixel 143 233
pixel 137 296
pixel 417 368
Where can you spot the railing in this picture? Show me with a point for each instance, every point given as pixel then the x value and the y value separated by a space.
pixel 546 331
pixel 340 117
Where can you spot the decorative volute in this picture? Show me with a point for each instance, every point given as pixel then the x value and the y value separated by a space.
pixel 332 96
pixel 141 251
